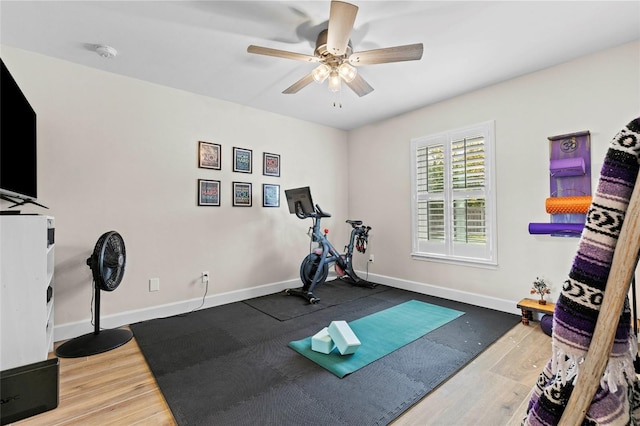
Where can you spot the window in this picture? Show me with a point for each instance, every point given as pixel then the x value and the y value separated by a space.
pixel 453 195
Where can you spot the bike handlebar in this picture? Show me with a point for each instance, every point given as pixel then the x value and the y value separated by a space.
pixel 319 214
pixel 358 223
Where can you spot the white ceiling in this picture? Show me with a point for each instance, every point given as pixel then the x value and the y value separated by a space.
pixel 200 46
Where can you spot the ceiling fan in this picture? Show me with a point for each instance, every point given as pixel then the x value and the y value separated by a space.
pixel 335 56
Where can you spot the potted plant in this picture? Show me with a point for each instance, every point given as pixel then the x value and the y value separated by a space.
pixel 541 287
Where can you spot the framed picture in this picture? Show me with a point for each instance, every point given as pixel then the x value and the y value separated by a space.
pixel 241 194
pixel 271 164
pixel 270 195
pixel 209 155
pixel 208 192
pixel 242 160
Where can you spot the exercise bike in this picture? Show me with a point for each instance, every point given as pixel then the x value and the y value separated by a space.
pixel 315 267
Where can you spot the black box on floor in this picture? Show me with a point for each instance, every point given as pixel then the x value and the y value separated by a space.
pixel 28 390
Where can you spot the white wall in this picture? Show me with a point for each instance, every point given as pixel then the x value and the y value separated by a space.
pixel 117 153
pixel 599 93
pixel 121 154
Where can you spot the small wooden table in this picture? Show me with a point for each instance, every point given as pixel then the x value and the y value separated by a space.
pixel 529 306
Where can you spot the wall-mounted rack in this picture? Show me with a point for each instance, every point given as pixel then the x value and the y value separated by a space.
pixel 570 185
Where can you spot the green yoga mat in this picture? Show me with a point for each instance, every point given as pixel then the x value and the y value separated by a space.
pixel 380 334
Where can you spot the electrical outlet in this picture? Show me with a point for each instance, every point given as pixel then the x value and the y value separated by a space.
pixel 371 258
pixel 205 277
pixel 154 284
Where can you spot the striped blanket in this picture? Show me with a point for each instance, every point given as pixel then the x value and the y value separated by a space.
pixel 617 400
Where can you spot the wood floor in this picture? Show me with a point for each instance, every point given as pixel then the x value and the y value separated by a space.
pixel 117 388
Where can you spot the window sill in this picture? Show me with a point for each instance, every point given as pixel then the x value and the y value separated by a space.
pixel 460 261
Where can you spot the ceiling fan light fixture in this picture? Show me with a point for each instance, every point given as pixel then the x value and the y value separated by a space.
pixel 334 81
pixel 321 73
pixel 347 72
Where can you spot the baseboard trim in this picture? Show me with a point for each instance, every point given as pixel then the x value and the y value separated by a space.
pixel 503 305
pixel 71 330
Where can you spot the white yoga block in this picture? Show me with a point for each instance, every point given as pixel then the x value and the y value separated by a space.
pixel 343 337
pixel 322 342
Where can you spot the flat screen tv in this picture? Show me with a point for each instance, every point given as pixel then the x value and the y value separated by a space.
pixel 18 162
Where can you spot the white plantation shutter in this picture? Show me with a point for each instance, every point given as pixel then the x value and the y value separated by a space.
pixel 430 182
pixel 468 181
pixel 453 197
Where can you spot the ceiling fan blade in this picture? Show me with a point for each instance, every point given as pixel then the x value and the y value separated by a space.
pixel 359 86
pixel 341 19
pixel 295 87
pixel 409 52
pixel 281 54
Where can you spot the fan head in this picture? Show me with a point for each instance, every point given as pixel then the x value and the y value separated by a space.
pixel 323 52
pixel 108 261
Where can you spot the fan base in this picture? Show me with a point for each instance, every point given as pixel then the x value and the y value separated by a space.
pixel 92 343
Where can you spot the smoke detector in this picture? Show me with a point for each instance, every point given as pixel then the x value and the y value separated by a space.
pixel 106 51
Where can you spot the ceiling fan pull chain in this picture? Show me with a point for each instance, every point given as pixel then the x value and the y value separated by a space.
pixel 337 101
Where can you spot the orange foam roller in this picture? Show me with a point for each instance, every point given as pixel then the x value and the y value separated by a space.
pixel 568 205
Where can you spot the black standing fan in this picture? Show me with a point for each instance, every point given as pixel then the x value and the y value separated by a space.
pixel 107 263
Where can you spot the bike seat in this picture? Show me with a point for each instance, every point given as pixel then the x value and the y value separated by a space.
pixel 354 223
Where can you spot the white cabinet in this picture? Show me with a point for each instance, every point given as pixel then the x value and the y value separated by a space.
pixel 26 302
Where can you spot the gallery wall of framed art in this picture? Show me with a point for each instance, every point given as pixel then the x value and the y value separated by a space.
pixel 209 190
